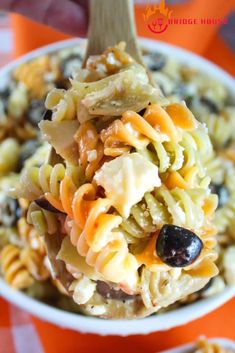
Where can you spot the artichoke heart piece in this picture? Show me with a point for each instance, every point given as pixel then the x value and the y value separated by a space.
pixel 129 89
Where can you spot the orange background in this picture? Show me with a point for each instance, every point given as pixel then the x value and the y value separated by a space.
pixel 205 41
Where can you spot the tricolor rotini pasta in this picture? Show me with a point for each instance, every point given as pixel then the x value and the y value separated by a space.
pixel 128 199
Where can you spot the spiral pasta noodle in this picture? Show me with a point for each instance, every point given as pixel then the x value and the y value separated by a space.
pixel 187 157
pixel 220 127
pixel 225 216
pixel 34 262
pixel 37 181
pixel 182 207
pixel 14 270
pixel 102 248
pixel 159 288
pixel 63 104
pixel 43 221
pixel 30 236
pixel 91 150
pixel 133 130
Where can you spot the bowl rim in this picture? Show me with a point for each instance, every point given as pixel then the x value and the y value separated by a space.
pixel 160 322
pixel 89 324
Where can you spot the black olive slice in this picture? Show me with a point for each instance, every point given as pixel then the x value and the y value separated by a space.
pixel 222 192
pixel 10 211
pixel 212 106
pixel 4 96
pixel 27 150
pixel 45 205
pixel 35 112
pixel 108 292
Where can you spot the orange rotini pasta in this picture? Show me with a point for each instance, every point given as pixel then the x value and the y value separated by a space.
pixel 14 270
pixel 90 148
pixel 32 75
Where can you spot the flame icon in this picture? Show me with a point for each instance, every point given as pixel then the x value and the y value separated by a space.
pixel 157 17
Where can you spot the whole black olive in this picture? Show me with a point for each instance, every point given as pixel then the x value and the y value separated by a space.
pixel 222 192
pixel 4 96
pixel 36 111
pixel 10 211
pixel 177 246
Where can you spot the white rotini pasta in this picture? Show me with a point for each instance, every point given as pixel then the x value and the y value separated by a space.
pixel 18 101
pixel 221 126
pixel 63 104
pixel 160 289
pixel 9 156
pixel 37 181
pixel 225 215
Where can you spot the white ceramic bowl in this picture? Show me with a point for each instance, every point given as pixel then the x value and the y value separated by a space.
pixel 159 322
pixel 186 348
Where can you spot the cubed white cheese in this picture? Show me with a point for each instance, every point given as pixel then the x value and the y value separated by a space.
pixel 126 179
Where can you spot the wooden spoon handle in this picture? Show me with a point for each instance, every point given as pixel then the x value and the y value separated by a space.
pixel 110 23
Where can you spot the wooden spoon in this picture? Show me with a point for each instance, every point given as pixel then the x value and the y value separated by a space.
pixel 110 23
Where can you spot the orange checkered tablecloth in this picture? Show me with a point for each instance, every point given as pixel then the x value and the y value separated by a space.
pixel 17 331
pixel 22 333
